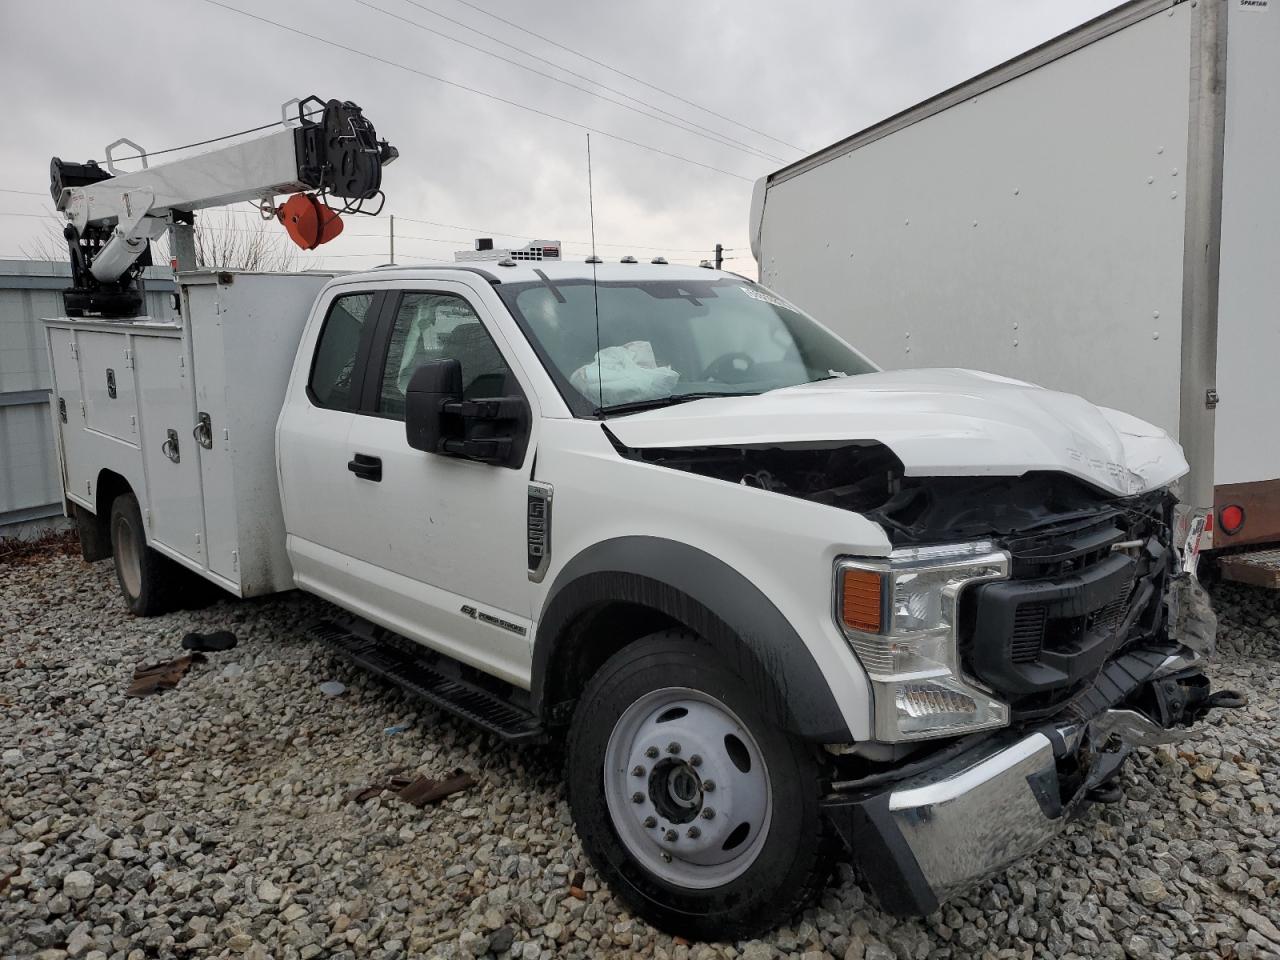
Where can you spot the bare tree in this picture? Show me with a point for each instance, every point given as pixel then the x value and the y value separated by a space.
pixel 226 242
pixel 223 241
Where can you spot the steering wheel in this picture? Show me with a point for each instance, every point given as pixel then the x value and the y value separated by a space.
pixel 732 367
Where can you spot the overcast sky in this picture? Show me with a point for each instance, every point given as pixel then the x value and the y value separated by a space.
pixel 80 74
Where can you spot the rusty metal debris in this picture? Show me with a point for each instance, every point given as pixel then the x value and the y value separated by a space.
pixel 424 790
pixel 155 677
pixel 419 791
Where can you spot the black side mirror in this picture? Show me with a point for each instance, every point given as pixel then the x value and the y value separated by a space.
pixel 432 385
pixel 437 420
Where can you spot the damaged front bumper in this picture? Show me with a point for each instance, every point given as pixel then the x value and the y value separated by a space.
pixel 928 836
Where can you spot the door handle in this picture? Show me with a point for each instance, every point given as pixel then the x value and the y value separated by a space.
pixel 366 467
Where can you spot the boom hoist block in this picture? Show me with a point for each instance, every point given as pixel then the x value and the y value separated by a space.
pixel 113 215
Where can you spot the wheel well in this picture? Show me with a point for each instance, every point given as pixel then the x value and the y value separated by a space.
pixel 95 528
pixel 640 585
pixel 588 641
pixel 110 485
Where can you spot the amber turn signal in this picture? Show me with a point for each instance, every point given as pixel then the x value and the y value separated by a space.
pixel 861 600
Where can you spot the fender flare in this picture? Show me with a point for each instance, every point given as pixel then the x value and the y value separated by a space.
pixel 709 597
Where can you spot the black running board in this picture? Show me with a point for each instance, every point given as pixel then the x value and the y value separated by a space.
pixel 428 675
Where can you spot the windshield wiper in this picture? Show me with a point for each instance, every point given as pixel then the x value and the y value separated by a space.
pixel 653 403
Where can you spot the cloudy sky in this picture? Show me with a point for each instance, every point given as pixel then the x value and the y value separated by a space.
pixel 753 84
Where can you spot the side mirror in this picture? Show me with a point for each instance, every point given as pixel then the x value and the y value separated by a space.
pixel 432 385
pixel 491 430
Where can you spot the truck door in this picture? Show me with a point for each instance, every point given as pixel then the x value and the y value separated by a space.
pixel 442 541
pixel 321 520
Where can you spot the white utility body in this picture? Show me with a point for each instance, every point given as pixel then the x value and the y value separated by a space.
pixel 1100 215
pixel 211 494
pixel 758 585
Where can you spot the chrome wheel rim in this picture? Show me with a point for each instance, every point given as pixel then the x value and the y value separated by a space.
pixel 687 788
pixel 128 556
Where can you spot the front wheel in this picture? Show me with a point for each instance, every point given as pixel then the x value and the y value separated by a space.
pixel 699 813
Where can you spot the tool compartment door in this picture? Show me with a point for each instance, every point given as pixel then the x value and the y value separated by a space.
pixel 176 517
pixel 77 472
pixel 106 370
pixel 217 477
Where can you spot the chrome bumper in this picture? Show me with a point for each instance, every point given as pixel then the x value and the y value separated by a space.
pixel 934 834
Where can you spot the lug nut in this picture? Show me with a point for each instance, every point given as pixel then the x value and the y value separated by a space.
pixel 695 761
pixel 708 786
pixel 694 833
pixel 637 771
pixel 637 797
pixel 673 747
pixel 650 822
pixel 652 753
pixel 708 813
pixel 671 836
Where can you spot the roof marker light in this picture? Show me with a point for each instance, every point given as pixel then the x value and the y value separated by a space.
pixel 594 259
pixel 628 259
pixel 661 260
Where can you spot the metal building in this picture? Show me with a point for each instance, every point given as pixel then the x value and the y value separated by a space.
pixel 30 489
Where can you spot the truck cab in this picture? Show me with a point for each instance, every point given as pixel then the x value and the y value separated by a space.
pixel 765 591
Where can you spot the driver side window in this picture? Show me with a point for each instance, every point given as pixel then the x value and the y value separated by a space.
pixel 440 326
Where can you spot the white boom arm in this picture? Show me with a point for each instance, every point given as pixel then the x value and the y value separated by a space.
pixel 139 203
pixel 112 216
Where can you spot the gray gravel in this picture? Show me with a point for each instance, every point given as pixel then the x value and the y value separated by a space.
pixel 212 821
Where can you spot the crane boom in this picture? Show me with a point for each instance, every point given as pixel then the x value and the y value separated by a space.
pixel 113 215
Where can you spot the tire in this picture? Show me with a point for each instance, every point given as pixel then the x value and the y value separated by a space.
pixel 639 768
pixel 149 581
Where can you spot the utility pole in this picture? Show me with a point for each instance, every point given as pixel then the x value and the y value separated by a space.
pixel 719 256
pixel 393 238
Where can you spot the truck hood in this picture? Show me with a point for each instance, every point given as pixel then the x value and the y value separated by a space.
pixel 939 423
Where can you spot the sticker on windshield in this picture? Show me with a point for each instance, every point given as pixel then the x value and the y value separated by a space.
pixel 755 294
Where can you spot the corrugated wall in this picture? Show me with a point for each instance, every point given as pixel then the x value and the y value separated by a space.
pixel 30 487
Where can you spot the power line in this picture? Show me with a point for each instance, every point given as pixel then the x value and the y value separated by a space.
pixel 198 143
pixel 581 76
pixel 711 135
pixel 469 89
pixel 29 193
pixel 623 73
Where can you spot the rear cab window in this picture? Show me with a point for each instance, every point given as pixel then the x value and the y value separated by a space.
pixel 335 364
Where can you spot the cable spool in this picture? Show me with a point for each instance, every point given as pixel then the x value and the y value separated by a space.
pixel 309 221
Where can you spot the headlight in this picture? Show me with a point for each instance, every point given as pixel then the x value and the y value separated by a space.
pixel 900 615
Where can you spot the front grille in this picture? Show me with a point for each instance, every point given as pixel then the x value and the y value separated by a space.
pixel 1043 635
pixel 1110 617
pixel 1028 633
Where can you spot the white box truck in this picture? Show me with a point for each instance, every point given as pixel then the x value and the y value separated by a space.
pixel 1099 215
pixel 765 593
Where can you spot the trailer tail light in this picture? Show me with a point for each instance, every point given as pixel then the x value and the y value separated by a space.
pixel 1231 519
pixel 862 600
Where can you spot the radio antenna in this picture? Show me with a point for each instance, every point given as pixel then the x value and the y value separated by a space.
pixel 595 296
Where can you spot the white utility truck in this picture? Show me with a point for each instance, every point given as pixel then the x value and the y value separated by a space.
pixel 767 594
pixel 1100 215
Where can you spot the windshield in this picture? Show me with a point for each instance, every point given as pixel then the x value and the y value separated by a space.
pixel 664 340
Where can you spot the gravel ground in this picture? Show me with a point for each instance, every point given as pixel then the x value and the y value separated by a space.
pixel 212 821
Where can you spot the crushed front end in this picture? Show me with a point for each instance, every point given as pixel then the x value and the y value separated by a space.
pixel 1014 673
